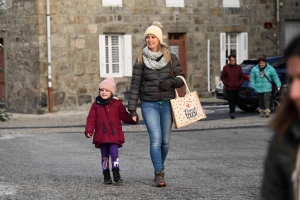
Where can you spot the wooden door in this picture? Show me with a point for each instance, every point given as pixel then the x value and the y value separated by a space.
pixel 177 43
pixel 2 87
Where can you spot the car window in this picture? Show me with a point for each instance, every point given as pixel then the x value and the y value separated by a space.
pixel 276 63
pixel 281 66
pixel 247 68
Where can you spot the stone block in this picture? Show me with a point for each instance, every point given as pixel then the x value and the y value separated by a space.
pixel 58 41
pixel 92 42
pixel 92 68
pixel 80 43
pixel 93 3
pixel 70 84
pixel 43 100
pixel 100 19
pixel 92 28
pixel 58 98
pixel 68 29
pixel 84 99
pixel 78 68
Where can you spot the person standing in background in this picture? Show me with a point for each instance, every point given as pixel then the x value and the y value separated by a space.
pixel 260 78
pixel 232 78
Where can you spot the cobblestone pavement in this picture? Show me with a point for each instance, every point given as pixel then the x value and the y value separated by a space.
pixel 74 121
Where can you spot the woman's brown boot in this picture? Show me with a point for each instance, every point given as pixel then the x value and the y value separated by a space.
pixel 160 179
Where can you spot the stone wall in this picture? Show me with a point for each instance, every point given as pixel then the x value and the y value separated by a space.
pixel 76 26
pixel 22 49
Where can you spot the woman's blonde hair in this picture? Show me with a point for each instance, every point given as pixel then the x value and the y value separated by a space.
pixel 163 48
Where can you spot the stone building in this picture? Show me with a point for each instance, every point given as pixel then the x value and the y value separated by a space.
pixel 94 39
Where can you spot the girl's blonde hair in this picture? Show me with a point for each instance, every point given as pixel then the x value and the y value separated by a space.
pixel 164 48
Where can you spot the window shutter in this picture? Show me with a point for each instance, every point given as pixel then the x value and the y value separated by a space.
pixel 222 50
pixel 242 41
pixel 174 3
pixel 102 56
pixel 127 55
pixel 111 2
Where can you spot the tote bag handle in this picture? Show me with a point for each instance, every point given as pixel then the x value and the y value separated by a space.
pixel 186 86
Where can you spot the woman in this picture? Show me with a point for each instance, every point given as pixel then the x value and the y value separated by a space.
pixel 154 81
pixel 281 158
pixel 260 79
pixel 232 78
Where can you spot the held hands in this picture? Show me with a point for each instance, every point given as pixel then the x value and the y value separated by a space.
pixel 88 135
pixel 133 115
pixel 167 84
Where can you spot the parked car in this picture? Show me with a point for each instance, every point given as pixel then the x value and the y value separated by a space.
pixel 248 98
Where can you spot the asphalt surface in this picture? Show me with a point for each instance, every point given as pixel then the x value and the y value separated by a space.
pixel 47 157
pixel 208 164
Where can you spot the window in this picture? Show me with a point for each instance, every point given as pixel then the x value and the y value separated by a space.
pixel 233 43
pixel 231 3
pixel 3 5
pixel 111 2
pixel 174 3
pixel 115 55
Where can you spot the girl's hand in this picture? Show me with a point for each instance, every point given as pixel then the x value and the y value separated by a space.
pixel 88 135
pixel 134 118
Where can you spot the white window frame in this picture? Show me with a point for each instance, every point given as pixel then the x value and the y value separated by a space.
pixel 241 51
pixel 231 3
pixel 174 3
pixel 125 56
pixel 114 3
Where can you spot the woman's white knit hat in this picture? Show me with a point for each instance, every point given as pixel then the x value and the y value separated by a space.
pixel 155 29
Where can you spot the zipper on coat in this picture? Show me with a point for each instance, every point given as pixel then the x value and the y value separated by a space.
pixel 104 128
pixel 113 132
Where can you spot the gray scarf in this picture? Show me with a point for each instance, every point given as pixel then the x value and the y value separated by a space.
pixel 150 57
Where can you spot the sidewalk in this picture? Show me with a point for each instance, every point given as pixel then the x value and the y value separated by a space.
pixel 74 121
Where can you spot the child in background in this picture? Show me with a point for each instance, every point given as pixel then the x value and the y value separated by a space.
pixel 104 123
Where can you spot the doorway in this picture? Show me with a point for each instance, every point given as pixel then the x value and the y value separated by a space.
pixel 177 43
pixel 2 85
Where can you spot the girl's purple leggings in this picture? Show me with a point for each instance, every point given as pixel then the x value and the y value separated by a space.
pixel 112 150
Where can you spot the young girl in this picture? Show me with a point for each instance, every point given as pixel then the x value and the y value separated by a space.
pixel 104 121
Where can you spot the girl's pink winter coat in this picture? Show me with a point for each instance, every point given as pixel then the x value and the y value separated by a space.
pixel 104 122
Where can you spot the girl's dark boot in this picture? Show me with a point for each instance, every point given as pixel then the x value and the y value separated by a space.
pixel 117 177
pixel 107 178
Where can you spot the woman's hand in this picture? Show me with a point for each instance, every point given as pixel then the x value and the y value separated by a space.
pixel 167 84
pixel 134 118
pixel 88 135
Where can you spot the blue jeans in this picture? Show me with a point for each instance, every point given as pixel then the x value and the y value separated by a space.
pixel 158 120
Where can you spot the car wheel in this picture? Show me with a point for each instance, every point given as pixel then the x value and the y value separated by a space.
pixel 247 107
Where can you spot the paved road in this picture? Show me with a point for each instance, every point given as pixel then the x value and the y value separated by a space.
pixel 202 164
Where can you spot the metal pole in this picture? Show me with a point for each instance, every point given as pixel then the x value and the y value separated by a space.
pixel 278 24
pixel 208 65
pixel 50 96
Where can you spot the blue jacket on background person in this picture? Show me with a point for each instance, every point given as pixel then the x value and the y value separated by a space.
pixel 261 84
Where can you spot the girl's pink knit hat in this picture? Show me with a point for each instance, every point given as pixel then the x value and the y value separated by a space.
pixel 108 83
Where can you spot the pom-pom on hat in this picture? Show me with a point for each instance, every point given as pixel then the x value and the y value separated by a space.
pixel 108 83
pixel 155 29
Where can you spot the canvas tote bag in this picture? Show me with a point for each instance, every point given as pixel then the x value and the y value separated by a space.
pixel 186 109
pixel 296 177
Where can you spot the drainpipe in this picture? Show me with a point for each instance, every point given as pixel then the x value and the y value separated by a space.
pixel 278 24
pixel 208 65
pixel 50 96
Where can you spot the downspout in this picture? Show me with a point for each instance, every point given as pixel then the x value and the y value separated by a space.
pixel 50 96
pixel 278 25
